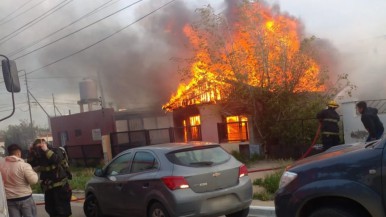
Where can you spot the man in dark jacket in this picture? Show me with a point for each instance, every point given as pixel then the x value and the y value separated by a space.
pixel 329 119
pixel 53 178
pixel 370 120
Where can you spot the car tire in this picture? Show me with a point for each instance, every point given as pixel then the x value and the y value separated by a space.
pixel 91 207
pixel 241 213
pixel 157 210
pixel 334 212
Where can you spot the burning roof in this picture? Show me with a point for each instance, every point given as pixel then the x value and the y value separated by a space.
pixel 254 45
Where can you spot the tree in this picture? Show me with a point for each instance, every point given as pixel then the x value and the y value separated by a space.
pixel 21 134
pixel 257 62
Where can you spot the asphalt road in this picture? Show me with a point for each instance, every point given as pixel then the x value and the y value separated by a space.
pixel 77 211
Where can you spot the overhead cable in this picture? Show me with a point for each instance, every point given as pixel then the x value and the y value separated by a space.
pixel 103 39
pixel 76 31
pixel 12 53
pixel 34 21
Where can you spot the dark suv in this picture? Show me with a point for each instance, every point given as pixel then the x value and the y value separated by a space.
pixel 344 181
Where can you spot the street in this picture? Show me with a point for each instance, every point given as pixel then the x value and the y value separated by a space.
pixel 77 211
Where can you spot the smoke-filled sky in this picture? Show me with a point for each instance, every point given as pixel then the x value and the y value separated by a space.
pixel 132 53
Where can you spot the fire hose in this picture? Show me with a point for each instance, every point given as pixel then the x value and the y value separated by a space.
pixel 313 142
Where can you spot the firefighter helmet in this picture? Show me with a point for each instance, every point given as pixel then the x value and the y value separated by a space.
pixel 333 104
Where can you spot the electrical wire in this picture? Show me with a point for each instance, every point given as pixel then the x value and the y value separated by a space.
pixel 103 39
pixel 12 53
pixel 76 31
pixel 23 12
pixel 10 14
pixel 34 21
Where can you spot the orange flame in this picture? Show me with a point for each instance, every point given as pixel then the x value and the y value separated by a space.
pixel 261 49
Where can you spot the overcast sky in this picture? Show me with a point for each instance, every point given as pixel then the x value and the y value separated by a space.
pixel 133 53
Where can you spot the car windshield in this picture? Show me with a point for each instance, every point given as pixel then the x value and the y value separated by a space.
pixel 199 157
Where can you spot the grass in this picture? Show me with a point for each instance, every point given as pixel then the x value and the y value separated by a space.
pixel 269 184
pixel 80 175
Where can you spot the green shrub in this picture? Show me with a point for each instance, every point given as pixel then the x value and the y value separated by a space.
pixel 264 196
pixel 80 176
pixel 270 183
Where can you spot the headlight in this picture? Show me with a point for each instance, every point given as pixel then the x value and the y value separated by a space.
pixel 286 178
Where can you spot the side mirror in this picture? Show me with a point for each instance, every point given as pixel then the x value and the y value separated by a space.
pixel 98 172
pixel 11 78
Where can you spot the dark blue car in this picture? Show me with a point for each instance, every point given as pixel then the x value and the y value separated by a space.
pixel 344 181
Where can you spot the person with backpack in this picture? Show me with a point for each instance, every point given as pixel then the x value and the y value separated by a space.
pixel 370 120
pixel 54 177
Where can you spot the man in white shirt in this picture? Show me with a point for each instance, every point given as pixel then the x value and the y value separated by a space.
pixel 18 176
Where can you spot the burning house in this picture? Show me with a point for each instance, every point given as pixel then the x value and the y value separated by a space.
pixel 241 54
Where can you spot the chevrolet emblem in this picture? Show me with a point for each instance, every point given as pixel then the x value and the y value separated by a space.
pixel 216 174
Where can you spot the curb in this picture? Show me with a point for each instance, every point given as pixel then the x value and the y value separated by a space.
pixel 262 211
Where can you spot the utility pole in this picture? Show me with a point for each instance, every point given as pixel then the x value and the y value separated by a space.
pixel 28 100
pixel 53 101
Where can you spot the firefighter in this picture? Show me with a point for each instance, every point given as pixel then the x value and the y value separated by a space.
pixel 50 162
pixel 329 118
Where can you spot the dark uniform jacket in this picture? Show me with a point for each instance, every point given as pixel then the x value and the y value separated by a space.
pixel 371 122
pixel 49 165
pixel 329 119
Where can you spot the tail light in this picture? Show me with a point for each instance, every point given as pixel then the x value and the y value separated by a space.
pixel 175 182
pixel 243 171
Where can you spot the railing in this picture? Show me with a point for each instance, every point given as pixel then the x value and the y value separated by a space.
pixel 89 154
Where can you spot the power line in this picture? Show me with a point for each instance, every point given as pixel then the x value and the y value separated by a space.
pixel 10 14
pixel 12 53
pixel 23 12
pixel 76 31
pixel 37 19
pixel 103 39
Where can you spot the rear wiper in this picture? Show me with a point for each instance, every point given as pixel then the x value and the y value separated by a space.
pixel 205 163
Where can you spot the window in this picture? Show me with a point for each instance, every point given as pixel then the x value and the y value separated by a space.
pixel 197 157
pixel 120 165
pixel 63 136
pixel 144 161
pixel 78 132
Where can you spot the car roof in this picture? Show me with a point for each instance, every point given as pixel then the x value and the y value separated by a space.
pixel 169 147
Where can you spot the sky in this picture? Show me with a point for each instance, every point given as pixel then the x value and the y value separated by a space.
pixel 133 49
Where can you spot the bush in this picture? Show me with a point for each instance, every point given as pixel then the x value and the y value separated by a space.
pixel 80 176
pixel 270 183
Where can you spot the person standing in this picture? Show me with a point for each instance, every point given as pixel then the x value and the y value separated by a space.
pixel 370 120
pixel 18 176
pixel 53 178
pixel 329 118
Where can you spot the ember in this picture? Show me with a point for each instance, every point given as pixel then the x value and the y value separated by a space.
pixel 259 47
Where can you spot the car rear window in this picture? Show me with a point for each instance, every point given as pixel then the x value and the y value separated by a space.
pixel 199 157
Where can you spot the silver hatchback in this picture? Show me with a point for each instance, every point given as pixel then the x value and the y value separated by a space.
pixel 170 180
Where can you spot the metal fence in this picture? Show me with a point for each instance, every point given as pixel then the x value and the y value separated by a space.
pixel 88 154
pixel 121 141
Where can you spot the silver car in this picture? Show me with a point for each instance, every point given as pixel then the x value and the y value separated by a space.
pixel 168 180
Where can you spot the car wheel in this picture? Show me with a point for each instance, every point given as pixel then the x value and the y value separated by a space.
pixel 241 213
pixel 91 207
pixel 334 212
pixel 157 210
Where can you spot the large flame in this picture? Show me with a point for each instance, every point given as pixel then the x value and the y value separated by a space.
pixel 261 48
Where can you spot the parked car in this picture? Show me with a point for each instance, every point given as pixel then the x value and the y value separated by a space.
pixel 174 179
pixel 344 181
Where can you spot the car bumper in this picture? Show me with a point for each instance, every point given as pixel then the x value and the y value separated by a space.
pixel 186 203
pixel 284 206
